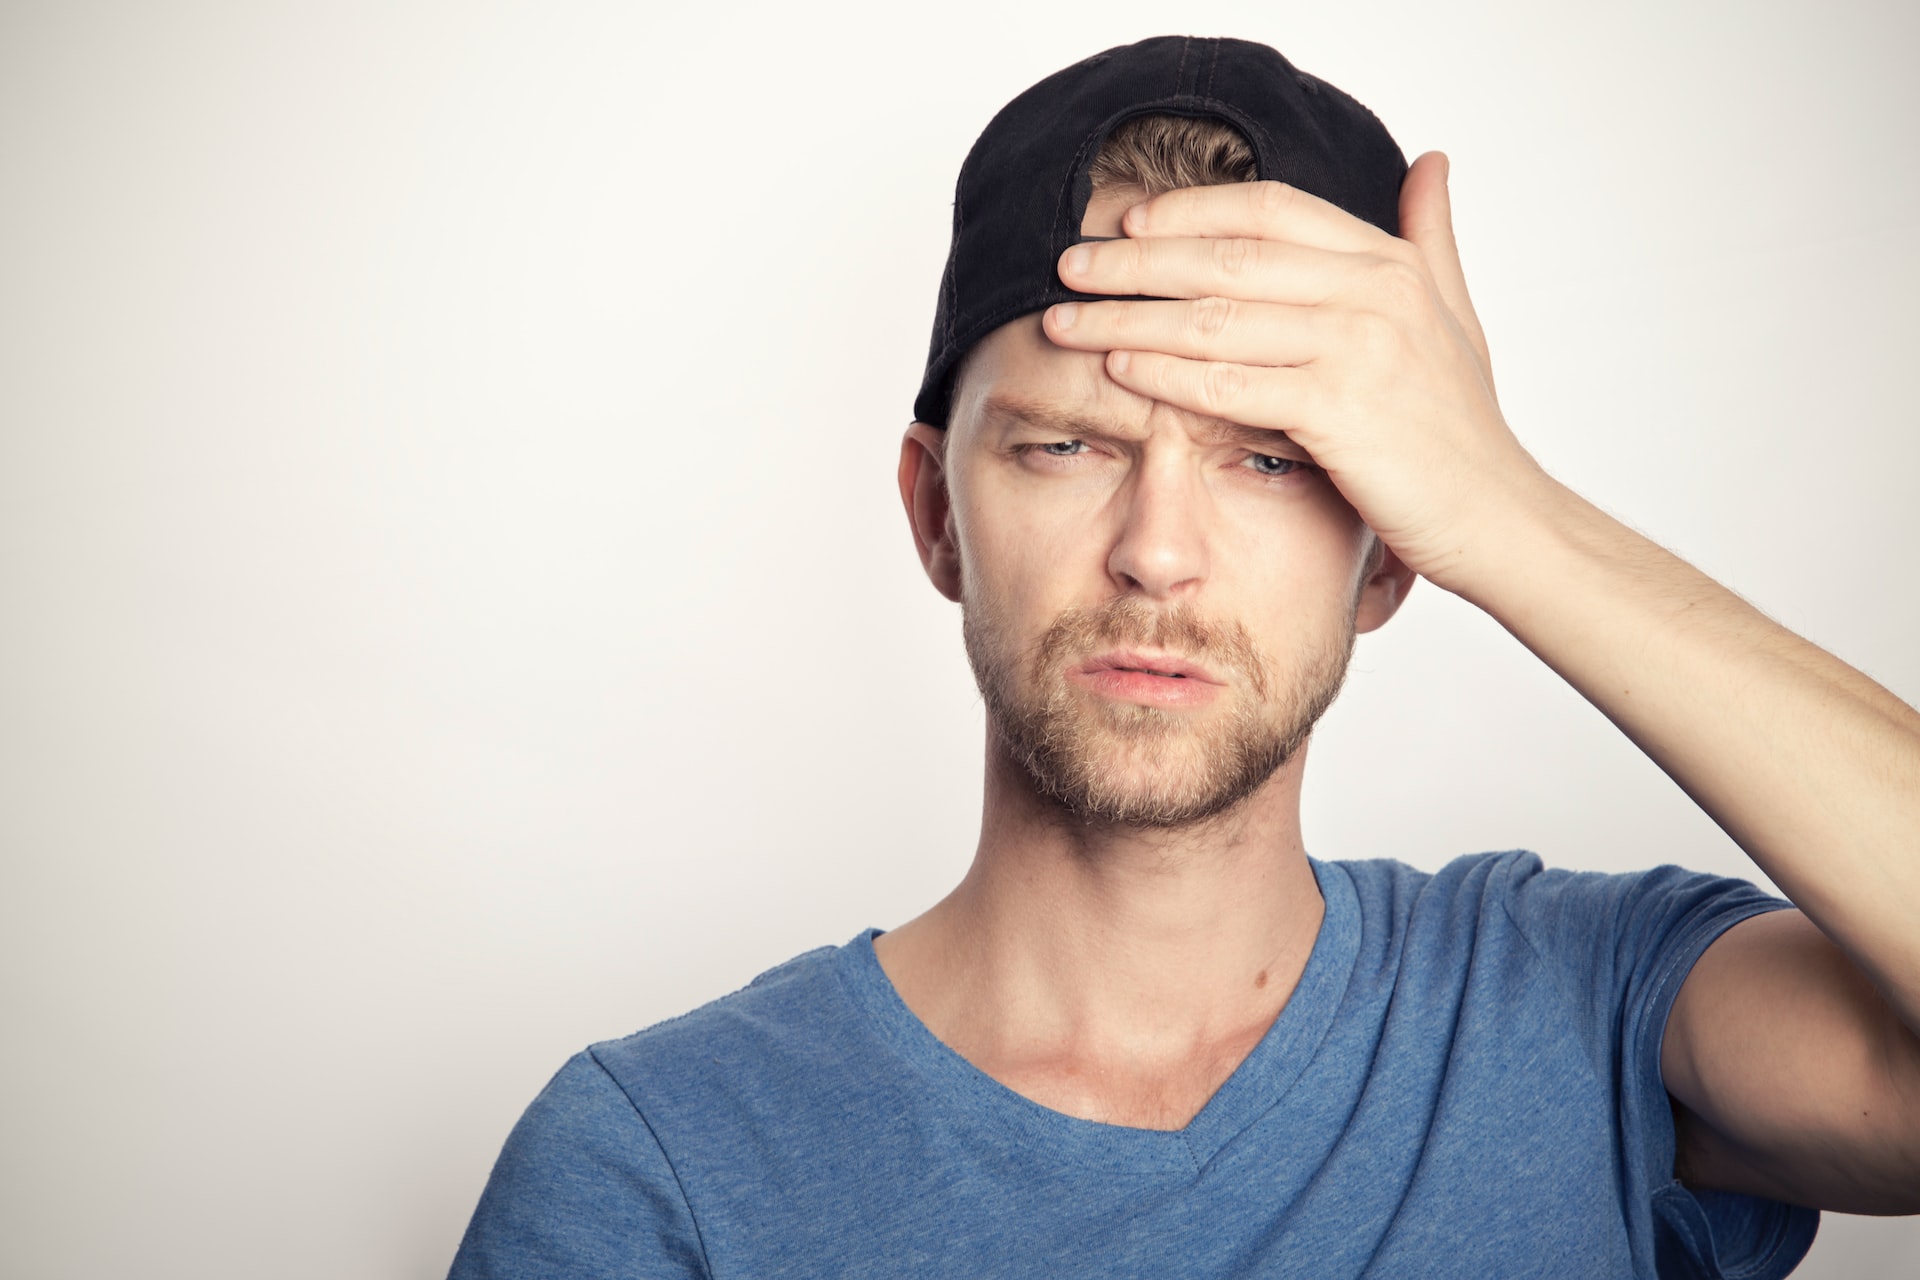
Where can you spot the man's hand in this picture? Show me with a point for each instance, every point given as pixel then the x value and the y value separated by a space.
pixel 1287 312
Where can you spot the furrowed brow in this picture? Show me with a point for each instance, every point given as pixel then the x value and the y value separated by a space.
pixel 1007 410
pixel 1263 440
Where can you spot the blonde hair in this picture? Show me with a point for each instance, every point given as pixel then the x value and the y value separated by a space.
pixel 1160 153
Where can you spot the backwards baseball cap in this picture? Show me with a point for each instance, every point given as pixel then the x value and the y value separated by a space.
pixel 1024 188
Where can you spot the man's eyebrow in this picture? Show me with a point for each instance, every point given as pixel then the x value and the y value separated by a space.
pixel 1045 417
pixel 1069 425
pixel 1270 440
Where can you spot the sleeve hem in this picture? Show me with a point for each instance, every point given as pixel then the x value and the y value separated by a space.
pixel 1774 1235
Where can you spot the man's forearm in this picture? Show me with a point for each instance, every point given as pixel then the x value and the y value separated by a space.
pixel 1810 766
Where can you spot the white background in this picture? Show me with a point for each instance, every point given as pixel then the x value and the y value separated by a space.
pixel 455 602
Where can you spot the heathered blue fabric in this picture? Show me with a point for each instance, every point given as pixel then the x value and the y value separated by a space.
pixel 1464 1084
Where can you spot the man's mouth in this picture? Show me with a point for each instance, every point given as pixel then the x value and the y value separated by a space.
pixel 1147 679
pixel 1164 666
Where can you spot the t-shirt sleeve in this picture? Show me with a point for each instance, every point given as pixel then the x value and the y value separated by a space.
pixel 1620 947
pixel 582 1191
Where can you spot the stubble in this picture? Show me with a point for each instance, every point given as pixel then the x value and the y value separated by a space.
pixel 1105 761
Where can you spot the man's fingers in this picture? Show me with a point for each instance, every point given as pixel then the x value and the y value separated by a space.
pixel 1251 395
pixel 1265 212
pixel 1211 328
pixel 1234 267
pixel 1426 220
pixel 1254 211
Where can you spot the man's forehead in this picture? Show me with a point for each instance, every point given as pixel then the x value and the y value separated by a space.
pixel 1017 380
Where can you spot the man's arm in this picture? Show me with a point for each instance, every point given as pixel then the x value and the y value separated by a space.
pixel 1790 1075
pixel 1797 1067
pixel 1791 1049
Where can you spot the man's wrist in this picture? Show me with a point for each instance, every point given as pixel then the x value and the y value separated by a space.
pixel 1518 541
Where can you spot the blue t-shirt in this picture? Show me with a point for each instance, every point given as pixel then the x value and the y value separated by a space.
pixel 1466 1082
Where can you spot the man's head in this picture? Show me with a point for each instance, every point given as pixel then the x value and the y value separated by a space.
pixel 1157 606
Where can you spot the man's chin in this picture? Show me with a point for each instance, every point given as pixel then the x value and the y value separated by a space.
pixel 1158 772
pixel 1144 805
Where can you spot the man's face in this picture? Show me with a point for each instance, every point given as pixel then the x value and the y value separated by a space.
pixel 1157 606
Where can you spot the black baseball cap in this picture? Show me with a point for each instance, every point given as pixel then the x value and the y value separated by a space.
pixel 1023 190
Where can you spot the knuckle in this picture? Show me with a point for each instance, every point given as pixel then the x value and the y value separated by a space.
pixel 1210 317
pixel 1399 284
pixel 1233 257
pixel 1220 386
pixel 1406 251
pixel 1271 198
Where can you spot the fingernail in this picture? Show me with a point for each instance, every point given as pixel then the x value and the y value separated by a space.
pixel 1065 314
pixel 1135 219
pixel 1079 258
pixel 1119 360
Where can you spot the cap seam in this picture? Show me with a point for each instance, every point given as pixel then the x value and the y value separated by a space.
pixel 953 265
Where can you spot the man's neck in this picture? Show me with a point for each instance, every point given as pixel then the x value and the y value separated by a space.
pixel 1114 973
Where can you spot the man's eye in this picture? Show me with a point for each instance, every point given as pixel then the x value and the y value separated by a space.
pixel 1063 448
pixel 1269 465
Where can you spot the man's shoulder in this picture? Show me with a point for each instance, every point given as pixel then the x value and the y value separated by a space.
pixel 769 1006
pixel 1511 879
pixel 759 1042
pixel 1394 876
pixel 1513 899
pixel 1392 892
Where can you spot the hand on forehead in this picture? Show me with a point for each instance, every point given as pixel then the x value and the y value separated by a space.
pixel 1244 210
pixel 1019 380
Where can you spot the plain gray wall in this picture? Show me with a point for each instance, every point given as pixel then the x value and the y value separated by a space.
pixel 455 602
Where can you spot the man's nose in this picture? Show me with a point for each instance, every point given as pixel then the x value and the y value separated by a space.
pixel 1161 550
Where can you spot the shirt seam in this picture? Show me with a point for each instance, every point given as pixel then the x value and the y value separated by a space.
pixel 1561 998
pixel 706 1260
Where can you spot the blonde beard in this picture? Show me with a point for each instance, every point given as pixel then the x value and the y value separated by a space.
pixel 1140 766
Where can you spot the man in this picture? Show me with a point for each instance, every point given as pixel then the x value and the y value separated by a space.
pixel 1206 395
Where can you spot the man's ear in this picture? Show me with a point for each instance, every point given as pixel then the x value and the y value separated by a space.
pixel 1387 582
pixel 923 491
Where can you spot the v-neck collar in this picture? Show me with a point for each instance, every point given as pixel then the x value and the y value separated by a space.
pixel 1258 1084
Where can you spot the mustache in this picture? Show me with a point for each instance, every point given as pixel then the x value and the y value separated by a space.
pixel 1129 621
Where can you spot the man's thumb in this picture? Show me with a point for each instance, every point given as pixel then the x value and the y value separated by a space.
pixel 1426 219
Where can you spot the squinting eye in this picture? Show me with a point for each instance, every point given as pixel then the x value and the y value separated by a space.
pixel 1062 448
pixel 1268 465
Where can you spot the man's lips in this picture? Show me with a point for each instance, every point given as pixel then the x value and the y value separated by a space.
pixel 1150 679
pixel 1152 664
